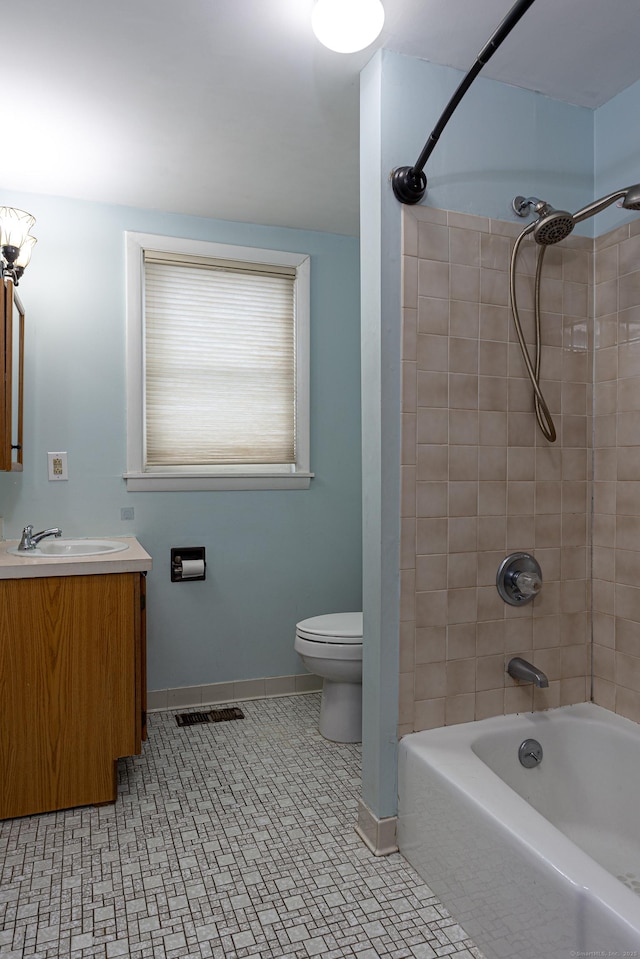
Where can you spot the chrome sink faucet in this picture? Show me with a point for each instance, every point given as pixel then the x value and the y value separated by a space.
pixel 520 669
pixel 30 539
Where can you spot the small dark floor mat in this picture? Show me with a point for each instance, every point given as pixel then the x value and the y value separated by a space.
pixel 210 716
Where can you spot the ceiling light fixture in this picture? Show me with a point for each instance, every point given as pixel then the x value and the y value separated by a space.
pixel 347 26
pixel 16 243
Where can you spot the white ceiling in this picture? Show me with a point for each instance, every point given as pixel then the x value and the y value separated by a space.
pixel 231 108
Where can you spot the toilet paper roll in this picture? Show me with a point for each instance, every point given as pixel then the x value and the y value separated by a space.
pixel 192 568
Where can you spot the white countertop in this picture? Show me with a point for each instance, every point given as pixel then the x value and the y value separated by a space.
pixel 132 560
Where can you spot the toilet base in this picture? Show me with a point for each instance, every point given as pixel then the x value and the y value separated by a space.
pixel 341 712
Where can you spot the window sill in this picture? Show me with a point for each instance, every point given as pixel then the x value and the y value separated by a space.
pixel 170 482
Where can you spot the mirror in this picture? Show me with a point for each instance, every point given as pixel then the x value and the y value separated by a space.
pixel 12 347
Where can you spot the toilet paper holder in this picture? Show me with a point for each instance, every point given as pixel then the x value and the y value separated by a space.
pixel 182 560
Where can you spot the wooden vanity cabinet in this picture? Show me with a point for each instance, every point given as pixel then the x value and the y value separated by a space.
pixel 72 688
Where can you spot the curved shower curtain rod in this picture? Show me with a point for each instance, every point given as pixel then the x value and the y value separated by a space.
pixel 409 182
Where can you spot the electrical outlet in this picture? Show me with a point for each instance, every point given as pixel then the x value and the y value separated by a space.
pixel 126 512
pixel 57 464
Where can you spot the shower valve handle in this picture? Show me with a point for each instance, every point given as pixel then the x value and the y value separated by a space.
pixel 527 583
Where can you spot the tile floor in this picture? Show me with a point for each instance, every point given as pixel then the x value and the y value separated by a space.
pixel 231 840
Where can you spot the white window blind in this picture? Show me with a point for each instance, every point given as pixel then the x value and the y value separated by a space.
pixel 220 362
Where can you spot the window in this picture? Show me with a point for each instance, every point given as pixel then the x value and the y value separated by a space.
pixel 217 366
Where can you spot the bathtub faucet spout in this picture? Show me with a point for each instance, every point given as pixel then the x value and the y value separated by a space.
pixel 520 669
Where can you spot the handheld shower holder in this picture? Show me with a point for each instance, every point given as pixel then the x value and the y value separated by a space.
pixel 522 205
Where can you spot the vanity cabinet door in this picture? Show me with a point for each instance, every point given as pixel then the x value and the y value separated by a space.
pixel 71 681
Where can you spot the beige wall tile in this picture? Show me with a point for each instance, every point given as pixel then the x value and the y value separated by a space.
pixel 432 462
pixel 433 241
pixel 462 534
pixel 548 698
pixel 490 672
pixel 484 482
pixel 628 703
pixel 492 533
pixel 429 714
pixel 464 246
pixel 430 681
pixel 520 533
pixel 464 283
pixel 433 316
pixel 431 572
pixel 431 644
pixel 495 322
pixel 627 671
pixel 431 499
pixel 464 318
pixel 462 605
pixel 494 287
pixel 407 595
pixel 433 278
pixel 463 391
pixel 467 221
pixel 489 702
pixel 492 463
pixel 432 388
pixel 463 428
pixel 495 251
pixel 407 646
pixel 604 694
pixel 518 699
pixel 462 570
pixel 405 697
pixel 432 352
pixel 408 426
pixel 490 638
pixel 432 426
pixel 460 709
pixel 574 691
pixel 431 608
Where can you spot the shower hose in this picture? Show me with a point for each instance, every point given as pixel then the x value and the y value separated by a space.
pixel 543 415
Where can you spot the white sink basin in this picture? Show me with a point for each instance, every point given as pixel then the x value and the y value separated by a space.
pixel 60 547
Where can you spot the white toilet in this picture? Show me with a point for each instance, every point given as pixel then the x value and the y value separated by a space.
pixel 331 646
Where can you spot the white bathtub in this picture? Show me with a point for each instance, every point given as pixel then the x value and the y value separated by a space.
pixel 527 859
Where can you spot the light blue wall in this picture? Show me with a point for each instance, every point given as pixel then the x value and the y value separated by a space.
pixel 380 280
pixel 273 557
pixel 617 152
pixel 501 142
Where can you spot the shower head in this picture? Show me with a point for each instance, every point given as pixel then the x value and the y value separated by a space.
pixel 629 199
pixel 551 225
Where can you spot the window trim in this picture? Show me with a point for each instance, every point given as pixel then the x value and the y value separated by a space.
pixel 211 478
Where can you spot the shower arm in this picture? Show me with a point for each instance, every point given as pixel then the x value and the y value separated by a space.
pixel 409 183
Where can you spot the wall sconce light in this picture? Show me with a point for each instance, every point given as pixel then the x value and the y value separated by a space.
pixel 16 243
pixel 346 26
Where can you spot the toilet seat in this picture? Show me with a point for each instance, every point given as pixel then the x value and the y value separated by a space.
pixel 327 650
pixel 333 628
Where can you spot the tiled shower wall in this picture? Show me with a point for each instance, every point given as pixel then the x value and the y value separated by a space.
pixel 479 479
pixel 616 525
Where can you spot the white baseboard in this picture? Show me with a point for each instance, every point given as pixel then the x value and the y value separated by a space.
pixel 379 835
pixel 185 696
